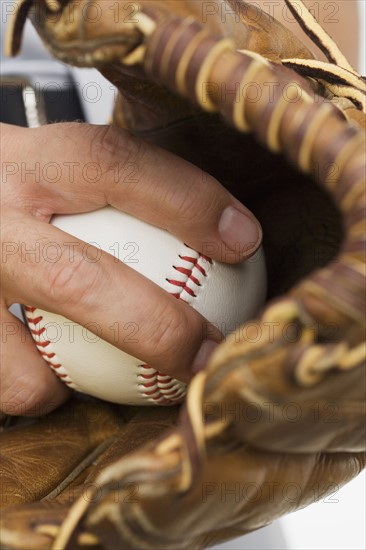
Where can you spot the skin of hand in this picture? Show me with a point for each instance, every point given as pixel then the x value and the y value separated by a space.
pixel 168 192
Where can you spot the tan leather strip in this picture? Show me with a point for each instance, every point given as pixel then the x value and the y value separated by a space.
pixel 355 220
pixel 312 128
pixel 15 27
pixel 355 248
pixel 181 80
pixel 356 191
pixel 327 296
pixel 239 112
pixel 311 27
pixel 353 185
pixel 315 137
pixel 322 70
pixel 272 112
pixel 357 97
pixel 290 93
pixel 209 46
pixel 332 140
pixel 338 295
pixel 176 48
pixel 53 5
pixel 157 43
pixel 170 33
pixel 293 125
pixel 347 150
pixel 354 358
pixel 232 108
pixel 285 91
pixel 202 78
pixel 350 274
pixel 174 34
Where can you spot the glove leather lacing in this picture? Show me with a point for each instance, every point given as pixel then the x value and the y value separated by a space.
pixel 285 125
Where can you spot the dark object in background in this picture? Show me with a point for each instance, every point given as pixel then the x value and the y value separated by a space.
pixel 33 94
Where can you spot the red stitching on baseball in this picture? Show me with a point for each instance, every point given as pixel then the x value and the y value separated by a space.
pixel 171 395
pixel 188 272
pixel 43 344
pixel 155 378
pixel 196 265
pixel 38 332
pixel 35 321
pixel 164 391
pixel 46 356
pixel 183 287
pixel 149 384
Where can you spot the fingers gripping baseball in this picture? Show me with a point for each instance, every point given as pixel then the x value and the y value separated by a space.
pixel 72 168
pixel 103 165
pixel 183 199
pixel 104 296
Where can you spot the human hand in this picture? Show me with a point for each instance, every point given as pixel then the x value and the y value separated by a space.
pixel 45 171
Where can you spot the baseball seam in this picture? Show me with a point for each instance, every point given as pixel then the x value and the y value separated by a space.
pixel 187 277
pixel 41 343
pixel 188 274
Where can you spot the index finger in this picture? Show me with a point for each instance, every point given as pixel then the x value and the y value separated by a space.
pixel 95 166
pixel 106 294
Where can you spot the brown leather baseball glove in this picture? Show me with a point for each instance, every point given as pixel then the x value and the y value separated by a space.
pixel 278 416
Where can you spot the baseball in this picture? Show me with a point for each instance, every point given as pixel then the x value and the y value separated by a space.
pixel 226 295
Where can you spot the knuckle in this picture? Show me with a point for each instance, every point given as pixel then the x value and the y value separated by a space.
pixel 187 207
pixel 71 283
pixel 170 332
pixel 191 209
pixel 111 148
pixel 104 146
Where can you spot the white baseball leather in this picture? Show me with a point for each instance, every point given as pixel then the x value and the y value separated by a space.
pixel 226 295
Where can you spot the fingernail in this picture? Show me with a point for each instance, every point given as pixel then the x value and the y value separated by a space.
pixel 203 355
pixel 239 232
